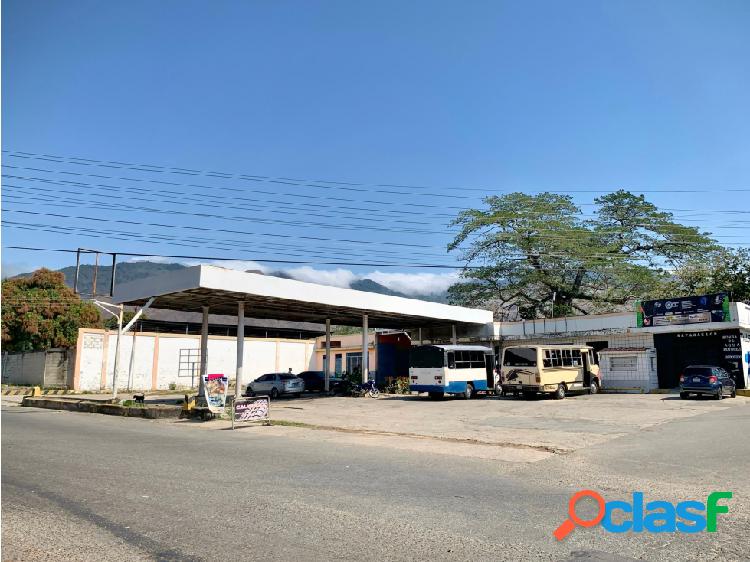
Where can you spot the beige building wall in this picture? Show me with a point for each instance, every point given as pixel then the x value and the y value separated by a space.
pixel 161 360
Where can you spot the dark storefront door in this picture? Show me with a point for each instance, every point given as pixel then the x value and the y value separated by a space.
pixel 676 351
pixel 598 346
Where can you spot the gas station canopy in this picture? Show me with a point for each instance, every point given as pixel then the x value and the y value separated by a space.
pixel 265 296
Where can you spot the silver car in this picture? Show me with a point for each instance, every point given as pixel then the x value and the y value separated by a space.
pixel 276 384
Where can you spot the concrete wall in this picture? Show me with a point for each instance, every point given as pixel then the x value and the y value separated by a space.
pixel 50 368
pixel 161 360
pixel 618 321
pixel 640 340
pixel 24 368
pixel 642 374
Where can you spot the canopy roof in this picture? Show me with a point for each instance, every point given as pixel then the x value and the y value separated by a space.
pixel 286 299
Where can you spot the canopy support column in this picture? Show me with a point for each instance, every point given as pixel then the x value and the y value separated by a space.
pixel 240 348
pixel 204 351
pixel 327 360
pixel 365 349
pixel 454 339
pixel 419 336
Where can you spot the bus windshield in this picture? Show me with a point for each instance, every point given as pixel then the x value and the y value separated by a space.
pixel 520 357
pixel 427 357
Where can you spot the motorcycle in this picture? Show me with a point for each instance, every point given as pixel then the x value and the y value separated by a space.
pixel 367 388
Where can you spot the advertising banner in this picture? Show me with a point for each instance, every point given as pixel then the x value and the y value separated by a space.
pixel 684 310
pixel 215 387
pixel 251 409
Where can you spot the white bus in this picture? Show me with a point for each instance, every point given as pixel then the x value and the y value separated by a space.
pixel 451 369
pixel 549 369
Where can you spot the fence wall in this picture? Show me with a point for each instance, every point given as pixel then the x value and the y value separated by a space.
pixel 50 368
pixel 150 361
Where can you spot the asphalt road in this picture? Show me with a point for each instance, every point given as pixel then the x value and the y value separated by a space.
pixel 92 487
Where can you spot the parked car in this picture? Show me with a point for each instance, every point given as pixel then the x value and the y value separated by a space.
pixel 706 379
pixel 276 384
pixel 315 381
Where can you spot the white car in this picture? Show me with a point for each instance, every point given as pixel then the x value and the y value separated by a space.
pixel 276 384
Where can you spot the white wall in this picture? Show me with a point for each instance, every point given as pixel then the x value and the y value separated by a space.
pixel 90 361
pixel 745 343
pixel 159 355
pixel 644 340
pixel 643 376
pixel 530 328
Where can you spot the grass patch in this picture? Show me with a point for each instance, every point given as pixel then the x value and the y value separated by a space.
pixel 288 423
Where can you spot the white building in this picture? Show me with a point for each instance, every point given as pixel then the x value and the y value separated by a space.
pixel 644 358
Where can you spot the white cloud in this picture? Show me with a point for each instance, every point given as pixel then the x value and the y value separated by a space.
pixel 335 277
pixel 412 284
pixel 415 283
pixel 240 265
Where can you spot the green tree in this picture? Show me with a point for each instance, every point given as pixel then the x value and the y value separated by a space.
pixel 523 250
pixel 40 312
pixel 724 270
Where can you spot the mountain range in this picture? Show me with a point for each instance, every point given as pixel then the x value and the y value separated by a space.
pixel 131 271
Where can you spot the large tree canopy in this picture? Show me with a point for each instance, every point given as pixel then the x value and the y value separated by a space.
pixel 722 271
pixel 523 250
pixel 40 312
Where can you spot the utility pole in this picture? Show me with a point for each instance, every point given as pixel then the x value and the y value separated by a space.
pixel 554 296
pixel 117 353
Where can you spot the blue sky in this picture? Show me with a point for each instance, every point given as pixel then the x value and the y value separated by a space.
pixel 502 96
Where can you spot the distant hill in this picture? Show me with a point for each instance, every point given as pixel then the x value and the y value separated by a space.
pixel 374 287
pixel 131 271
pixel 126 271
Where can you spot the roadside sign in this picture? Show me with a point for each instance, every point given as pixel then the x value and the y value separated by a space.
pixel 215 388
pixel 251 409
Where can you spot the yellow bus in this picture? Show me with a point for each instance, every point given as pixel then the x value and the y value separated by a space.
pixel 550 369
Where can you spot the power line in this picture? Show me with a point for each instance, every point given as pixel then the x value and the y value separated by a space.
pixel 173 201
pixel 218 258
pixel 159 169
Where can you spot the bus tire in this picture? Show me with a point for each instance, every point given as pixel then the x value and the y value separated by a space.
pixel 435 395
pixel 594 387
pixel 469 392
pixel 560 392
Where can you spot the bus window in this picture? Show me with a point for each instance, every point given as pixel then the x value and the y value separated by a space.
pixel 576 357
pixel 520 357
pixel 592 357
pixel 451 360
pixel 426 357
pixel 547 358
pixel 462 359
pixel 477 359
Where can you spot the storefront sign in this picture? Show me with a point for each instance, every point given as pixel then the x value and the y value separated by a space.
pixel 215 388
pixel 251 409
pixel 684 310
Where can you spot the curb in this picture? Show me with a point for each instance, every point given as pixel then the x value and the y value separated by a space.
pixel 743 392
pixel 615 390
pixel 23 390
pixel 90 407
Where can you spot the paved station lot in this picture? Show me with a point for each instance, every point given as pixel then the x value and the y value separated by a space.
pixel 503 428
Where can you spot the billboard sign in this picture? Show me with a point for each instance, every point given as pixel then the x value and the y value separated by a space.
pixel 684 310
pixel 215 388
pixel 251 409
